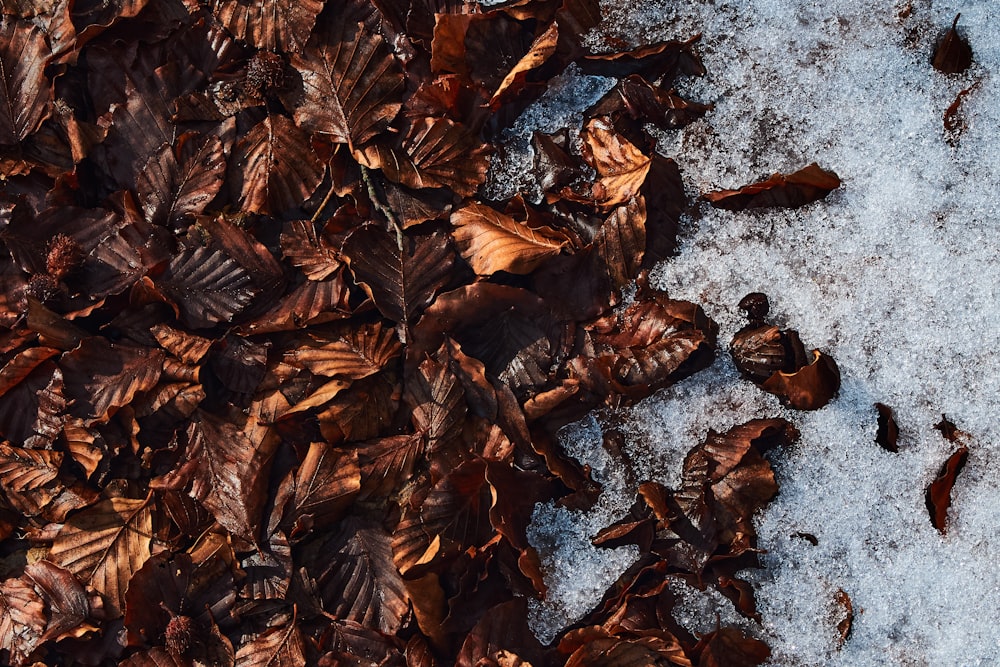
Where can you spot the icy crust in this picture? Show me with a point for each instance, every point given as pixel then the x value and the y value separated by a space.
pixel 894 275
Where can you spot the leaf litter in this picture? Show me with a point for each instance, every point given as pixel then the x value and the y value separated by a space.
pixel 282 386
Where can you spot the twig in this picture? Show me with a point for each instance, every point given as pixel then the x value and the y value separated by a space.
pixel 381 207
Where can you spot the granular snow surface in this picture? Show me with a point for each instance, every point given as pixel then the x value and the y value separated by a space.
pixel 894 275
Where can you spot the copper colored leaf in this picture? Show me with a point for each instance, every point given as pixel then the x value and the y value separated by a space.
pixel 277 168
pixel 273 25
pixel 313 302
pixel 102 377
pixel 436 153
pixel 793 190
pixel 355 354
pixel 953 54
pixel 187 347
pixel 939 491
pixel 401 282
pixel 502 628
pixel 22 619
pixel 281 646
pixel 437 402
pixel 457 508
pixel 105 544
pixel 324 485
pixel 180 181
pixel 810 387
pixel 25 91
pixel 361 412
pixel 229 473
pixel 352 84
pixel 387 463
pixel 67 602
pixel 621 167
pixel 846 614
pixel 888 431
pixel 310 251
pixel 26 470
pixel 205 287
pixel 491 241
pixel 361 584
pixel 541 50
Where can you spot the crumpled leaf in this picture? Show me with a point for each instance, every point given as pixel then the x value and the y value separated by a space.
pixel 621 167
pixel 278 169
pixel 793 190
pixel 280 646
pixel 25 91
pixel 272 25
pixel 22 619
pixel 491 241
pixel 810 387
pixel 844 626
pixel 105 545
pixel 540 51
pixel 939 491
pixel 953 55
pixel 67 602
pixel 351 84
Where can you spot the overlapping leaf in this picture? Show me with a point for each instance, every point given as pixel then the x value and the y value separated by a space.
pixel 25 91
pixel 273 25
pixel 491 241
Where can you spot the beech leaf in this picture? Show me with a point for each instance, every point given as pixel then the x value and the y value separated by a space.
pixel 491 241
pixel 25 91
pixel 273 25
pixel 793 190
pixel 939 491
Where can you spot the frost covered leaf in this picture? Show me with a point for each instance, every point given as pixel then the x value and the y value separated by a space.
pixel 22 619
pixel 953 55
pixel 272 25
pixel 793 190
pixel 491 241
pixel 179 181
pixel 204 286
pixel 25 91
pixel 401 281
pixel 351 84
pixel 436 153
pixel 888 432
pixel 939 491
pixel 277 169
pixel 359 581
pixel 105 544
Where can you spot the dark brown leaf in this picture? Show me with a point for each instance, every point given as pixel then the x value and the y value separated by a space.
pixel 729 647
pixel 312 252
pixel 953 55
pixel 272 25
pixel 401 281
pixel 25 91
pixel 27 476
pixel 436 153
pixel 352 355
pixel 387 463
pixel 846 614
pixel 437 403
pixel 276 168
pixel 793 190
pixel 810 387
pixel 65 599
pixel 179 181
pixel 280 646
pixel 102 377
pixel 351 84
pixel 322 488
pixel 502 628
pixel 22 619
pixel 939 491
pixel 888 431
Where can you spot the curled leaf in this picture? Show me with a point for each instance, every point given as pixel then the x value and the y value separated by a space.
pixel 939 491
pixel 793 190
pixel 953 54
pixel 810 387
pixel 888 431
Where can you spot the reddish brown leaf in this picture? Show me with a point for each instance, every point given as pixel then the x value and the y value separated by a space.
pixel 436 153
pixel 387 463
pixel 638 100
pixel 25 474
pixel 621 167
pixel 401 281
pixel 359 582
pixel 541 50
pixel 277 168
pixel 312 252
pixel 229 473
pixel 180 181
pixel 361 412
pixel 351 84
pixel 939 491
pixel 272 25
pixel 502 628
pixel 810 387
pixel 353 354
pixel 102 377
pixel 953 119
pixel 311 303
pixel 491 241
pixel 324 485
pixel 953 55
pixel 437 403
pixel 793 190
pixel 22 619
pixel 843 600
pixel 281 646
pixel 65 599
pixel 729 647
pixel 105 544
pixel 25 91
pixel 888 431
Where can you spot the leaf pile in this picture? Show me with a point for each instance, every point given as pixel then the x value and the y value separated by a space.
pixel 277 387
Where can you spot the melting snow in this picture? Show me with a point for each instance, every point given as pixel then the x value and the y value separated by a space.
pixel 894 275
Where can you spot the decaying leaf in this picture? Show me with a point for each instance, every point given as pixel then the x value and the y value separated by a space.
pixel 953 55
pixel 793 190
pixel 846 614
pixel 939 491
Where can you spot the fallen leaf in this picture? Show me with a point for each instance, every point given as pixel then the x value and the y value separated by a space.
pixel 939 491
pixel 793 190
pixel 888 432
pixel 953 55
